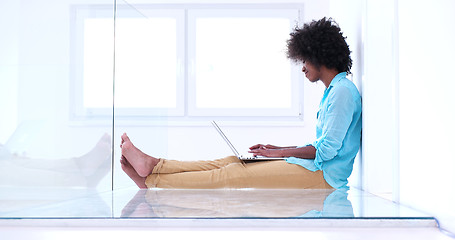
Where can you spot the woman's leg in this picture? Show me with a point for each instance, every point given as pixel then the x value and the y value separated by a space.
pixel 266 174
pixel 138 165
pixel 173 166
pixel 145 165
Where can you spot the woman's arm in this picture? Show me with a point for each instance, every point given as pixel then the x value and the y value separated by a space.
pixel 259 146
pixel 307 152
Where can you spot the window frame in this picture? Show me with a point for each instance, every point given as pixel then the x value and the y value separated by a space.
pixel 186 108
pixel 265 11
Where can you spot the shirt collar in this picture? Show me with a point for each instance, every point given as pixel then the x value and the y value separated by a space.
pixel 337 78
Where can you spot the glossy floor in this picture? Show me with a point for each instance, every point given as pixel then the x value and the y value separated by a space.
pixel 224 203
pixel 244 213
pixel 264 234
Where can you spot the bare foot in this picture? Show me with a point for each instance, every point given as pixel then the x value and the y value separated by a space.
pixel 129 170
pixel 141 162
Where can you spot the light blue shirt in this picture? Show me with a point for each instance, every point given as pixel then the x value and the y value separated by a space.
pixel 338 132
pixel 336 204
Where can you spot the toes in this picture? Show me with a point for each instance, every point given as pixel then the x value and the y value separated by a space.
pixel 124 161
pixel 126 147
pixel 125 138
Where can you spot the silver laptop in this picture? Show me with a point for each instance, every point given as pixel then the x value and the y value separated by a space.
pixel 249 157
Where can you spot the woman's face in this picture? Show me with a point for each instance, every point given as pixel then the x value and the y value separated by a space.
pixel 312 72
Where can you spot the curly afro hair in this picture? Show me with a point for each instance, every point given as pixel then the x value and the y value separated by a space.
pixel 321 43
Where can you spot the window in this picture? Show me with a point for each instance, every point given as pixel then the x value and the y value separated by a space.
pixel 149 51
pixel 187 61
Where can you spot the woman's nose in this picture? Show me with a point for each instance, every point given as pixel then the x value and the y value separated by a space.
pixel 303 68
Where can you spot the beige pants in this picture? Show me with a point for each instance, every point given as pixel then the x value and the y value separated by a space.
pixel 230 172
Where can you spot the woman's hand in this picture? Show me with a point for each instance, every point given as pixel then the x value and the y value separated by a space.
pixel 266 150
pixel 260 146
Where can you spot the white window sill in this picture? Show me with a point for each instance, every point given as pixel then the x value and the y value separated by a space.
pixel 199 122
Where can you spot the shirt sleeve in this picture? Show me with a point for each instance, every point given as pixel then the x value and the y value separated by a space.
pixel 336 121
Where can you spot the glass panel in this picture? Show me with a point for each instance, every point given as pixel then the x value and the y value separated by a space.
pixel 43 146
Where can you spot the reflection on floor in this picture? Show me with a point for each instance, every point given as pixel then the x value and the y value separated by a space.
pixel 238 204
pixel 317 214
pixel 223 203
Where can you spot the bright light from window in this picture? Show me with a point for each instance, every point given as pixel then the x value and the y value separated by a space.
pixel 186 62
pixel 146 63
pixel 98 70
pixel 241 63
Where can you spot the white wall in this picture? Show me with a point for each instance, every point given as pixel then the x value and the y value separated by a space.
pixel 427 107
pixel 408 104
pixel 380 138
